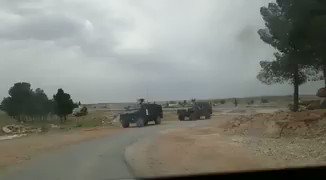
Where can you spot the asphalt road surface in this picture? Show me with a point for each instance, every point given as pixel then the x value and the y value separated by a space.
pixel 97 159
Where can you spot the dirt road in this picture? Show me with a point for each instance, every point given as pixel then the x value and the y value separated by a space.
pixel 18 150
pixel 102 158
pixel 173 148
pixel 233 143
pixel 185 151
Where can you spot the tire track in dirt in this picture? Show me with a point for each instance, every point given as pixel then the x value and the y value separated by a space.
pixel 189 151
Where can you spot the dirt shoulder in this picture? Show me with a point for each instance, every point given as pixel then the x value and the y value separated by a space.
pixel 234 143
pixel 19 150
pixel 190 151
pixel 288 139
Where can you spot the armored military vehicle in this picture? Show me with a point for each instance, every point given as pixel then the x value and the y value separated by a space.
pixel 80 111
pixel 145 113
pixel 197 110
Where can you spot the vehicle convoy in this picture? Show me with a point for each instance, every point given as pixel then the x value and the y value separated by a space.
pixel 145 113
pixel 197 110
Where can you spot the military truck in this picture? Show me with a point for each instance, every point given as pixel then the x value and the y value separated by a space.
pixel 143 115
pixel 197 110
pixel 80 111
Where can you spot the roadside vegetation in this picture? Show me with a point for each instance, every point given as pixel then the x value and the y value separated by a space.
pixel 27 111
pixel 24 104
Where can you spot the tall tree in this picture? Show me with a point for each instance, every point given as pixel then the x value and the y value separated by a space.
pixel 286 31
pixel 41 104
pixel 20 96
pixel 280 71
pixel 316 35
pixel 63 104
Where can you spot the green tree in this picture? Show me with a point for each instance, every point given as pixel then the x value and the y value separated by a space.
pixel 20 98
pixel 7 106
pixel 286 30
pixel 63 104
pixel 23 103
pixel 40 104
pixel 316 36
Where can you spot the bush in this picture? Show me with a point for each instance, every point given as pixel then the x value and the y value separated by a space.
pixel 222 101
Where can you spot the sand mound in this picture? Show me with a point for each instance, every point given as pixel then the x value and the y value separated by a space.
pixel 307 124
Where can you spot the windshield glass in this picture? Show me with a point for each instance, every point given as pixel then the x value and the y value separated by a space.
pixel 109 89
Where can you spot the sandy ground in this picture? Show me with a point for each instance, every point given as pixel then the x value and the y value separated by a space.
pixel 96 124
pixel 233 140
pixel 190 151
pixel 213 148
pixel 19 150
pixel 22 149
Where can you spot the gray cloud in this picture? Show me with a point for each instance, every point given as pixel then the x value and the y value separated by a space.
pixel 107 50
pixel 46 27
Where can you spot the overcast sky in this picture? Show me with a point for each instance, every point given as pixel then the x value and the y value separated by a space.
pixel 120 50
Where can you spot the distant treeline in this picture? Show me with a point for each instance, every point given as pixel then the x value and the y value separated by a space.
pixel 24 103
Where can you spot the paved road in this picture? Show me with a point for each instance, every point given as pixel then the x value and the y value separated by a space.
pixel 98 159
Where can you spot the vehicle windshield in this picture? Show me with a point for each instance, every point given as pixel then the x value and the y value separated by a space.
pixel 113 89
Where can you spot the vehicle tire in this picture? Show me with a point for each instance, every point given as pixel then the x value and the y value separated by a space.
pixel 146 123
pixel 207 116
pixel 140 122
pixel 181 117
pixel 125 124
pixel 193 117
pixel 158 120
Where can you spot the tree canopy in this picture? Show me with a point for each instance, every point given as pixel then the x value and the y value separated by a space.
pixel 63 104
pixel 24 103
pixel 289 30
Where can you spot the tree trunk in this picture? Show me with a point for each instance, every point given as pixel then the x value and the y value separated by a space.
pixel 324 74
pixel 296 89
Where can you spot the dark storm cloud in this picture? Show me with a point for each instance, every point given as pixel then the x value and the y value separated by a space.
pixel 108 50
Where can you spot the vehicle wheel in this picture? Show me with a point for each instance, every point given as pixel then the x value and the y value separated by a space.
pixel 193 117
pixel 158 120
pixel 207 116
pixel 140 122
pixel 125 124
pixel 146 123
pixel 181 117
